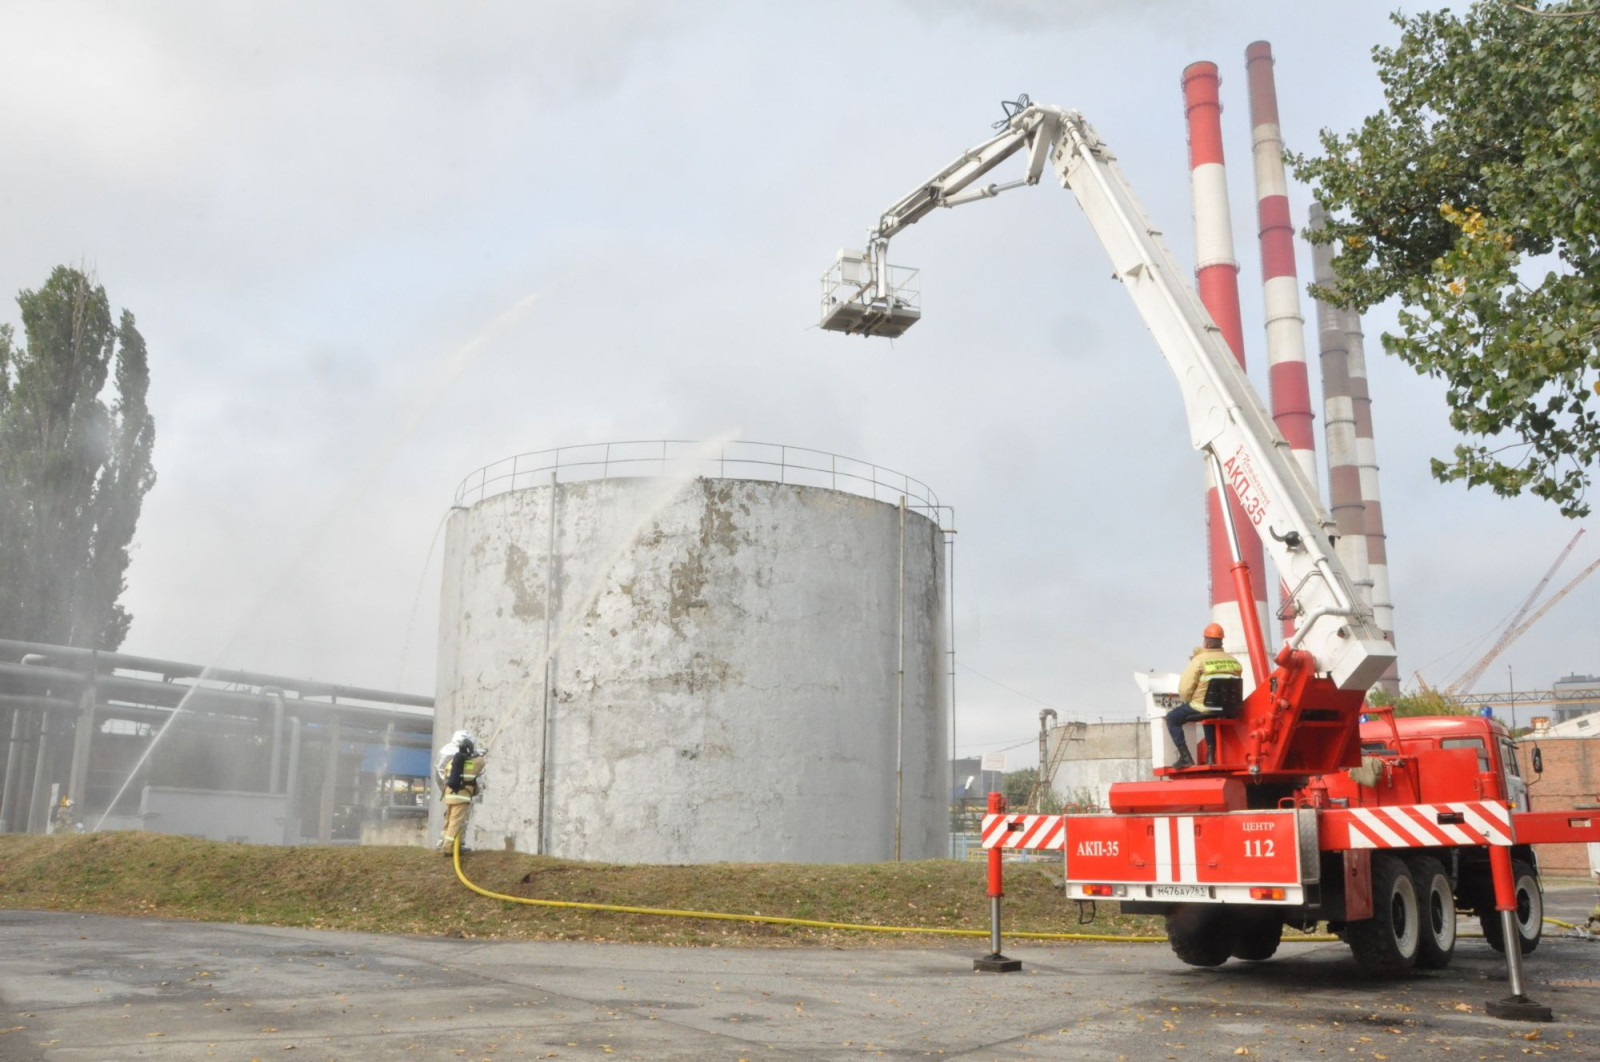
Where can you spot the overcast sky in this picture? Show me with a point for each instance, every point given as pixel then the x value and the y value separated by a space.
pixel 374 246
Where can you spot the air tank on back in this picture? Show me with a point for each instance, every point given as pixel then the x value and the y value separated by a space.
pixel 682 654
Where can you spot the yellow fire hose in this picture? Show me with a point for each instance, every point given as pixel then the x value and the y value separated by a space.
pixel 809 923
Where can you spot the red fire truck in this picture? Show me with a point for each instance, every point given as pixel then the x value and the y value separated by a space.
pixel 1386 852
pixel 1272 828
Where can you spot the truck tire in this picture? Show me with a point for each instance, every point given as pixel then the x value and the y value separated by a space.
pixel 1201 934
pixel 1437 906
pixel 1386 944
pixel 1257 934
pixel 1530 911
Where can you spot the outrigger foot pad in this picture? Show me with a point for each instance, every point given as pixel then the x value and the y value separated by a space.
pixel 996 963
pixel 1518 1008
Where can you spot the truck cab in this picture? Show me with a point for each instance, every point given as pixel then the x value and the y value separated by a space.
pixel 1430 760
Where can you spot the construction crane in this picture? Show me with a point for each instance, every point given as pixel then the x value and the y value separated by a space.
pixel 1515 627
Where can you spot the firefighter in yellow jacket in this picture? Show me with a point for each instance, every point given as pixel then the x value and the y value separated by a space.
pixel 460 772
pixel 1207 662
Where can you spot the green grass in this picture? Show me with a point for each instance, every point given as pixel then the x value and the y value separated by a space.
pixel 412 890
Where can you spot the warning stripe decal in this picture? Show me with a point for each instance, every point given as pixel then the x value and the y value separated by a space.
pixel 1024 831
pixel 1418 825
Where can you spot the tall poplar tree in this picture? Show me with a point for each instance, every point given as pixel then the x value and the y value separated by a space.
pixel 75 463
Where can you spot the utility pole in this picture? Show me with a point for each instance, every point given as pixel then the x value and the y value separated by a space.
pixel 1511 685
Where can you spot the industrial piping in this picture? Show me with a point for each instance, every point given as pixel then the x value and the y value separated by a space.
pixel 1289 387
pixel 1217 280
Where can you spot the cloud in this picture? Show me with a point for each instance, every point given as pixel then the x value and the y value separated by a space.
pixel 1023 16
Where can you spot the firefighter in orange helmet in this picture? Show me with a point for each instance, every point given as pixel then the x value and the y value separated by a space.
pixel 1207 662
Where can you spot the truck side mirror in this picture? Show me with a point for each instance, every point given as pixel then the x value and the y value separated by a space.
pixel 1538 761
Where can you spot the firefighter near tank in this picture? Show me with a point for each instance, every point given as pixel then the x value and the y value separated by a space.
pixel 460 774
pixel 1210 683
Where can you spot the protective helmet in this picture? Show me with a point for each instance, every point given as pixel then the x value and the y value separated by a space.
pixel 1213 630
pixel 463 737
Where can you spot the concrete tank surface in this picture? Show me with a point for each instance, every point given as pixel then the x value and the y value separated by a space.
pixel 723 671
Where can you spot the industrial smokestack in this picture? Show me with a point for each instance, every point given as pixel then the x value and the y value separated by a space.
pixel 1352 457
pixel 1367 463
pixel 1339 423
pixel 1217 278
pixel 1288 383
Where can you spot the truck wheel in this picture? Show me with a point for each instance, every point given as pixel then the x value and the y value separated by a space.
pixel 1437 906
pixel 1256 934
pixel 1530 911
pixel 1201 934
pixel 1386 944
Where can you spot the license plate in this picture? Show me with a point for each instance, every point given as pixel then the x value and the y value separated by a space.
pixel 1181 892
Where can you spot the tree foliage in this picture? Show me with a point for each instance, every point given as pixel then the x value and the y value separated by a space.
pixel 1018 786
pixel 1424 701
pixel 73 470
pixel 1471 196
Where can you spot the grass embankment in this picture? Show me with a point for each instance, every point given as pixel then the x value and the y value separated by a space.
pixel 412 890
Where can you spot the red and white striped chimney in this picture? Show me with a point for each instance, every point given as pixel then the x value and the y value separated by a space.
pixel 1288 383
pixel 1217 278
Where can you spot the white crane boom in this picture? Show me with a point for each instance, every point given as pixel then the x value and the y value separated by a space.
pixel 1226 419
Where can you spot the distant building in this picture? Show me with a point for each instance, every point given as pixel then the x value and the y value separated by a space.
pixel 1571 779
pixel 1576 695
pixel 968 780
pixel 1085 759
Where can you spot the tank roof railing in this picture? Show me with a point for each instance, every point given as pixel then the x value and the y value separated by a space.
pixel 742 459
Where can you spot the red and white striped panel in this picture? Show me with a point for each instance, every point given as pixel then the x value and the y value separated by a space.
pixel 1024 831
pixel 1428 825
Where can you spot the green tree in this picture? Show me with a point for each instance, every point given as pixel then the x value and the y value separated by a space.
pixel 1471 196
pixel 1425 701
pixel 73 470
pixel 1018 786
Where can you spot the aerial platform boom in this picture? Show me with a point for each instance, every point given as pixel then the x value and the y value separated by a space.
pixel 1227 421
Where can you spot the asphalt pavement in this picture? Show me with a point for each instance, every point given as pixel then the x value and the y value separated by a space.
pixel 93 987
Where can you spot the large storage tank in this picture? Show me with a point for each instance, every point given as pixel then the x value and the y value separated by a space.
pixel 724 647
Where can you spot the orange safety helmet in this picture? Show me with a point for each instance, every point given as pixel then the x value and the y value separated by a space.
pixel 1213 630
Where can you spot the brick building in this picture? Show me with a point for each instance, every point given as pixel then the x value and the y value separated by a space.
pixel 1571 779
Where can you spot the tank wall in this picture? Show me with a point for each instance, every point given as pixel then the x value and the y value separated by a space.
pixel 1090 757
pixel 724 658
